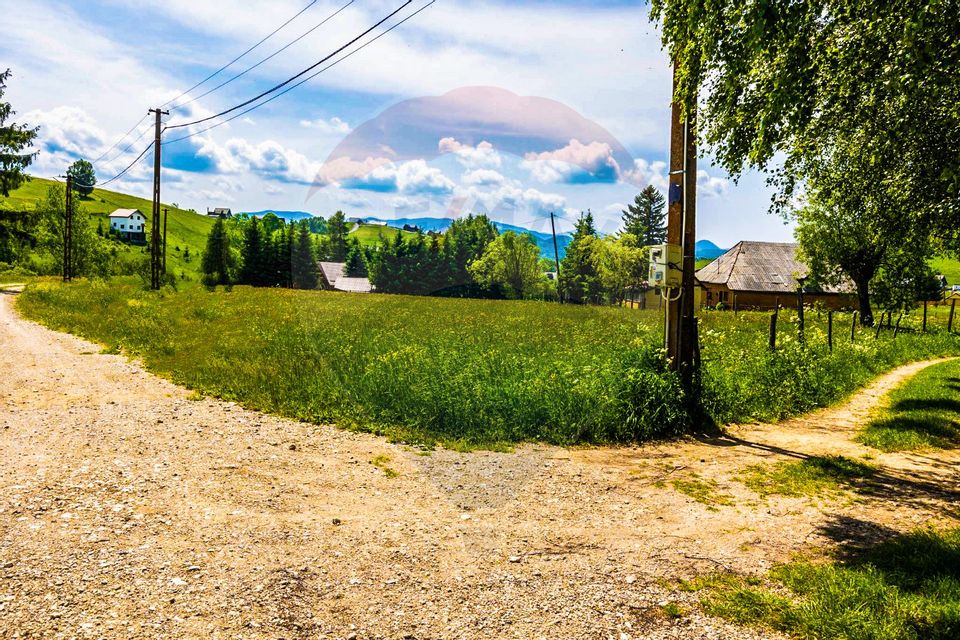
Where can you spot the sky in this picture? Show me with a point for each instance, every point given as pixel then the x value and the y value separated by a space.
pixel 513 109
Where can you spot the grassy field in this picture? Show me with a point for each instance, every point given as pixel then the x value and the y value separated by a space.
pixel 184 228
pixel 468 372
pixel 371 234
pixel 923 414
pixel 950 267
pixel 907 588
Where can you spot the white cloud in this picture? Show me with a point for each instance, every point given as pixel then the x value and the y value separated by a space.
pixel 482 155
pixel 574 163
pixel 483 178
pixel 333 125
pixel 645 173
pixel 711 186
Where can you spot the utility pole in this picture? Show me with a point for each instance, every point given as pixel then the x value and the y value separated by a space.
pixel 68 232
pixel 681 322
pixel 556 255
pixel 155 264
pixel 164 240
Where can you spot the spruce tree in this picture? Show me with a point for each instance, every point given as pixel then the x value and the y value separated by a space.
pixel 217 264
pixel 303 262
pixel 645 218
pixel 252 253
pixel 579 276
pixel 337 230
pixel 355 267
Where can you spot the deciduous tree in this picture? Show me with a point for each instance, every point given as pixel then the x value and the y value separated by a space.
pixel 14 138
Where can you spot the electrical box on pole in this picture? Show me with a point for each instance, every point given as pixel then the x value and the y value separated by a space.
pixel 666 266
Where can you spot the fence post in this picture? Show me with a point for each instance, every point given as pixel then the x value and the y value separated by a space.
pixel 830 329
pixel 953 305
pixel 800 326
pixel 924 316
pixel 897 329
pixel 879 326
pixel 736 306
pixel 773 331
pixel 853 327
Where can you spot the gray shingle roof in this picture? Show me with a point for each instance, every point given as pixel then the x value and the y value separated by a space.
pixel 332 271
pixel 770 267
pixel 354 285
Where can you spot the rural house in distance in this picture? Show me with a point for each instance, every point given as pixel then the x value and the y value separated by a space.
pixel 754 275
pixel 332 278
pixel 129 224
pixel 220 212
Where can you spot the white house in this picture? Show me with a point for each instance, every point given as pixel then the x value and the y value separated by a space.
pixel 129 223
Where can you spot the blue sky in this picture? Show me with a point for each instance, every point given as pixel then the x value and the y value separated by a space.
pixel 514 109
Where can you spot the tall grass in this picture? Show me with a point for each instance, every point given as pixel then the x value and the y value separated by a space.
pixel 464 372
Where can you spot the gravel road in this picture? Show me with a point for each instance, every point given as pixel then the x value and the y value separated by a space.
pixel 128 509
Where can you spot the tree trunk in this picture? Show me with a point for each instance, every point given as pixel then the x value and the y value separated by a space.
pixel 863 298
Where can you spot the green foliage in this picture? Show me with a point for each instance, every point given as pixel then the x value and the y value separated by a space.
pixel 465 241
pixel 809 477
pixel 356 264
pixel 337 230
pixel 83 176
pixel 786 79
pixel 579 272
pixel 90 253
pixel 907 588
pixel 512 263
pixel 645 219
pixel 14 138
pixel 217 264
pixel 303 261
pixel 923 413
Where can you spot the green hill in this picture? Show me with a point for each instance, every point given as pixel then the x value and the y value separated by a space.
pixel 370 234
pixel 950 267
pixel 185 229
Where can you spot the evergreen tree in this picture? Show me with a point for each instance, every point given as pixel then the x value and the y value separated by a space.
pixel 356 266
pixel 303 263
pixel 217 264
pixel 464 242
pixel 337 231
pixel 253 255
pixel 645 218
pixel 580 279
pixel 14 138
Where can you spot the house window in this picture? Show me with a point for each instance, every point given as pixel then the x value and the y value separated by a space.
pixel 121 226
pixel 723 296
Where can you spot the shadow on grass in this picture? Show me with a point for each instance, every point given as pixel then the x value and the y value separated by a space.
pixel 931 404
pixel 890 586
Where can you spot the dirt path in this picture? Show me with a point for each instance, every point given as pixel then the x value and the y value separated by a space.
pixel 129 510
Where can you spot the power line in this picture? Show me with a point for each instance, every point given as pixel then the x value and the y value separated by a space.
pixel 114 145
pixel 294 77
pixel 307 79
pixel 270 57
pixel 122 173
pixel 226 66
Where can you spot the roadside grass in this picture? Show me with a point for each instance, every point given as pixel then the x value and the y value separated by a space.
pixel 907 588
pixel 923 413
pixel 467 373
pixel 382 462
pixel 812 476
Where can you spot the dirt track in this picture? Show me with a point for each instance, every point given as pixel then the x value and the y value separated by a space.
pixel 129 510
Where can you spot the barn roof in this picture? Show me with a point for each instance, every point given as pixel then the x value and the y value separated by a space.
pixel 332 271
pixel 770 267
pixel 354 285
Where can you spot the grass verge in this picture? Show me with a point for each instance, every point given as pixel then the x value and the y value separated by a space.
pixel 467 373
pixel 907 588
pixel 923 413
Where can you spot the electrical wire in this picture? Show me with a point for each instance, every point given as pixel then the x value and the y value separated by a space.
pixel 122 173
pixel 307 79
pixel 294 77
pixel 122 138
pixel 270 57
pixel 226 66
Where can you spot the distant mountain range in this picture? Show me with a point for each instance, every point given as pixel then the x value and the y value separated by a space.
pixel 544 240
pixel 706 250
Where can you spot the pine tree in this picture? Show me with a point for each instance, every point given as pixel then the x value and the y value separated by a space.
pixel 579 276
pixel 303 262
pixel 356 266
pixel 217 264
pixel 645 218
pixel 253 268
pixel 337 231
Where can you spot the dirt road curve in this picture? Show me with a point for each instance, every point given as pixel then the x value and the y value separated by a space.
pixel 129 510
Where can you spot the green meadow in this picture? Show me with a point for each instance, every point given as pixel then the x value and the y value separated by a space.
pixel 472 373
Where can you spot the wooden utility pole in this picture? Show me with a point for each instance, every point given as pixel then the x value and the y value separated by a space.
pixel 155 262
pixel 556 255
pixel 680 326
pixel 164 240
pixel 68 232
